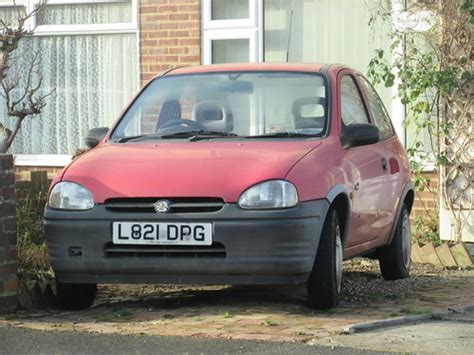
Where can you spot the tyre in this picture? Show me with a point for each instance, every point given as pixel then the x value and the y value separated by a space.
pixel 324 284
pixel 395 258
pixel 75 296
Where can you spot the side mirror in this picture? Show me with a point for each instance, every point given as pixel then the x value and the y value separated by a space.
pixel 358 134
pixel 95 135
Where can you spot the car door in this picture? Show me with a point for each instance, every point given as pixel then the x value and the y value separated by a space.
pixel 365 168
pixel 393 152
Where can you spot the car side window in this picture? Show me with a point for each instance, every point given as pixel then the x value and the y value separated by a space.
pixel 352 105
pixel 379 112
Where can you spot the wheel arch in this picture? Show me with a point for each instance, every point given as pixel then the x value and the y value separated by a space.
pixel 338 198
pixel 407 198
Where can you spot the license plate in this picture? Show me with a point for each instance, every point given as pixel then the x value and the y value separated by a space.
pixel 162 233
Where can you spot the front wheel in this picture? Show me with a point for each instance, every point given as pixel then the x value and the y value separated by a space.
pixel 75 296
pixel 324 284
pixel 395 258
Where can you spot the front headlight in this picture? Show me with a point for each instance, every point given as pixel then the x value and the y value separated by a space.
pixel 70 196
pixel 270 194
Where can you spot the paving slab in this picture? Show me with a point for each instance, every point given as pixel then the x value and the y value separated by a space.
pixel 429 254
pixel 416 255
pixel 445 256
pixel 461 254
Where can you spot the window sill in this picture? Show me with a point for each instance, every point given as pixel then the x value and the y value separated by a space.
pixel 45 160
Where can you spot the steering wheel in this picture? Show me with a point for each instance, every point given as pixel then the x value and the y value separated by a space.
pixel 181 126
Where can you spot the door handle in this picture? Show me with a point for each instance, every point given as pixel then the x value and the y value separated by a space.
pixel 384 164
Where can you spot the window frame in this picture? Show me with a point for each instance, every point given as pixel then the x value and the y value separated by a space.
pixel 249 28
pixel 228 34
pixel 361 94
pixel 250 22
pixel 78 29
pixel 363 79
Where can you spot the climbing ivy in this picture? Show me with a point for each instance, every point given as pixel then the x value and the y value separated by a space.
pixel 432 73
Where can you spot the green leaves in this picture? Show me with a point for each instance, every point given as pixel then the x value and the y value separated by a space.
pixel 389 79
pixel 423 84
pixel 462 59
pixel 468 6
pixel 380 71
pixel 442 159
pixel 466 76
pixel 228 315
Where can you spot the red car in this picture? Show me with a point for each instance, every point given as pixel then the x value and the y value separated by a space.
pixel 235 174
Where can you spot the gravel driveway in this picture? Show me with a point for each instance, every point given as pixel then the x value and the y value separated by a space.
pixel 258 313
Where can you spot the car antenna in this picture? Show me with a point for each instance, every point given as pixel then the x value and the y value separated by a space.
pixel 289 34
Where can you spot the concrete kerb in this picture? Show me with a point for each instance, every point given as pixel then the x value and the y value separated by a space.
pixel 369 326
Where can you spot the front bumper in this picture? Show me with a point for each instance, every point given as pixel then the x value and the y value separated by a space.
pixel 261 247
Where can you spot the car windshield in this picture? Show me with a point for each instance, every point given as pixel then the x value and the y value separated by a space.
pixel 238 104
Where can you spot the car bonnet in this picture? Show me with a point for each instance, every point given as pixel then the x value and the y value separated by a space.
pixel 184 169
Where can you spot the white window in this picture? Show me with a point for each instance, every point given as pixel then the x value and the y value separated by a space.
pixel 231 31
pixel 89 55
pixel 294 31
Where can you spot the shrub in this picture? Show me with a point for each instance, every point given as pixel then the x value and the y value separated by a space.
pixel 32 251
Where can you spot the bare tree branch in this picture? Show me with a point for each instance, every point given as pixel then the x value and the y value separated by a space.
pixel 30 102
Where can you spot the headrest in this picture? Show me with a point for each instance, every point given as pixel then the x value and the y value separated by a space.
pixel 170 111
pixel 309 112
pixel 215 115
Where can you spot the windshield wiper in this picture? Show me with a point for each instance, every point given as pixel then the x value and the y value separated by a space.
pixel 198 135
pixel 192 135
pixel 130 138
pixel 283 134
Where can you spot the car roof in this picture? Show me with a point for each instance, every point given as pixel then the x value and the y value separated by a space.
pixel 296 67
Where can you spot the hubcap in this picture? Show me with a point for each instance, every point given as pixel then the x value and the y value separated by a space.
pixel 338 259
pixel 406 241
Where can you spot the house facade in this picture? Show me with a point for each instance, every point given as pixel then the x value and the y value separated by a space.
pixel 98 53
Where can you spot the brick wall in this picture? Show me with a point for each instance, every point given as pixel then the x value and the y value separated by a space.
pixel 426 199
pixel 8 263
pixel 35 189
pixel 23 173
pixel 170 35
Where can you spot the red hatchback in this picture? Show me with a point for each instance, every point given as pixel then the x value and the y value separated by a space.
pixel 235 174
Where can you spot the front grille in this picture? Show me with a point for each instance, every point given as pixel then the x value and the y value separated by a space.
pixel 178 204
pixel 216 250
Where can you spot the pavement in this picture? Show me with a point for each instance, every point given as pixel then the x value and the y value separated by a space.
pixel 450 334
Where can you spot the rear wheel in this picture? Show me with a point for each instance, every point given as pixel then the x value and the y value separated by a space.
pixel 324 284
pixel 395 258
pixel 75 296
